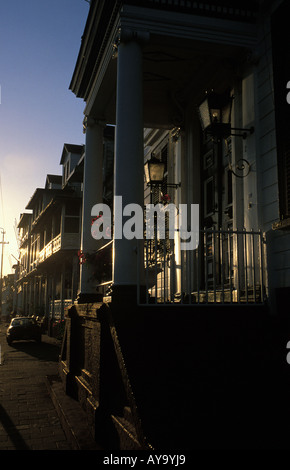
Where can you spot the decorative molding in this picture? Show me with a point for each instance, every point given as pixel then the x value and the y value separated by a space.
pixel 129 34
pixel 191 27
pixel 91 122
pixel 243 10
pixel 282 225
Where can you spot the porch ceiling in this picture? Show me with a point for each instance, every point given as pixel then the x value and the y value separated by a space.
pixel 174 76
pixel 185 55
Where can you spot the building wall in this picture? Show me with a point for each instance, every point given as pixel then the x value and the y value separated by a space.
pixel 266 129
pixel 278 241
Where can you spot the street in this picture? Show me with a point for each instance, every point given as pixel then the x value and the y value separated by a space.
pixel 28 418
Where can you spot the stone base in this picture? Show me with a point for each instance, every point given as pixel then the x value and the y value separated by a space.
pixel 72 416
pixel 127 294
pixel 84 298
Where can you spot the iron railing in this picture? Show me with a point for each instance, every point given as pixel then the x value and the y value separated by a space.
pixel 228 266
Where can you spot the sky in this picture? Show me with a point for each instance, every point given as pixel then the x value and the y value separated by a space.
pixel 39 45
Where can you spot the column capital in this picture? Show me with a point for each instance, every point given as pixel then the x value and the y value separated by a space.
pixel 128 34
pixel 91 122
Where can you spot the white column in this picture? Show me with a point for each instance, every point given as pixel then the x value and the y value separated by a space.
pixel 129 150
pixel 62 290
pixel 46 295
pixel 92 194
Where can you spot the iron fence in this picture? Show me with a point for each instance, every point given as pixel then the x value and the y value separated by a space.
pixel 228 266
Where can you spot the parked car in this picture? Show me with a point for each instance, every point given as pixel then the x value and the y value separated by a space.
pixel 23 328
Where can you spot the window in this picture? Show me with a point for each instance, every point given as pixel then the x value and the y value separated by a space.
pixel 72 216
pixel 71 225
pixel 209 196
pixel 229 187
pixel 67 170
pixel 72 208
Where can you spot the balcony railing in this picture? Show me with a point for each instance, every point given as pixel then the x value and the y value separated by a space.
pixel 228 266
pixel 65 241
pixel 52 247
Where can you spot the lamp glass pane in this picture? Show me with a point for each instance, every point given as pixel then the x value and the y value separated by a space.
pixel 156 171
pixel 227 113
pixel 147 175
pixel 204 114
pixel 215 115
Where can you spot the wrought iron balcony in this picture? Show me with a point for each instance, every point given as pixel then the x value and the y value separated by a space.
pixel 227 267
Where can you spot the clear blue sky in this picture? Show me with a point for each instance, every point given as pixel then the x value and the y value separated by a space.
pixel 39 45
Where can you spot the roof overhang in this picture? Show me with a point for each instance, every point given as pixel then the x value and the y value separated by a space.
pixel 71 148
pixel 183 55
pixel 24 219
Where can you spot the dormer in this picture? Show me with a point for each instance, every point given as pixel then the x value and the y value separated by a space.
pixel 70 158
pixel 24 227
pixel 53 182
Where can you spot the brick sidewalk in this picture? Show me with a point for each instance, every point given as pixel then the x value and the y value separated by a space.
pixel 28 417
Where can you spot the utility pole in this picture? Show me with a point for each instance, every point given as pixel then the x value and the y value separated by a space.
pixel 1 272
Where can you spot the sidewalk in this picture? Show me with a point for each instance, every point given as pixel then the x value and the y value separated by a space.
pixel 35 413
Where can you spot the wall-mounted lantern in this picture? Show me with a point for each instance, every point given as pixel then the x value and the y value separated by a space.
pixel 155 172
pixel 215 116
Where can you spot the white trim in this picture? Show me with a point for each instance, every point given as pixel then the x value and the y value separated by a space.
pixel 188 26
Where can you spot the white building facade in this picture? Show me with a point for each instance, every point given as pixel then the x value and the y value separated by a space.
pixel 180 340
pixel 144 67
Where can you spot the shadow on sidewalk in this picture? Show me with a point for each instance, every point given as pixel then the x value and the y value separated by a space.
pixel 12 430
pixel 44 351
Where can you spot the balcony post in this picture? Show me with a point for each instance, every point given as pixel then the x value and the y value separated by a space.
pixel 62 290
pixel 92 194
pixel 129 156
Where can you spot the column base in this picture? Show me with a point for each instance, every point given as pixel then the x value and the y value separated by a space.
pixel 84 298
pixel 127 294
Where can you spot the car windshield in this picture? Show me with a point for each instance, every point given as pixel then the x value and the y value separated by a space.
pixel 22 322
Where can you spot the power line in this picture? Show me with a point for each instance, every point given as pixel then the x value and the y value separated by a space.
pixel 16 232
pixel 2 204
pixel 1 265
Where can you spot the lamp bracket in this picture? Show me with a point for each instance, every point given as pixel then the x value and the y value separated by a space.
pixel 244 131
pixel 168 185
